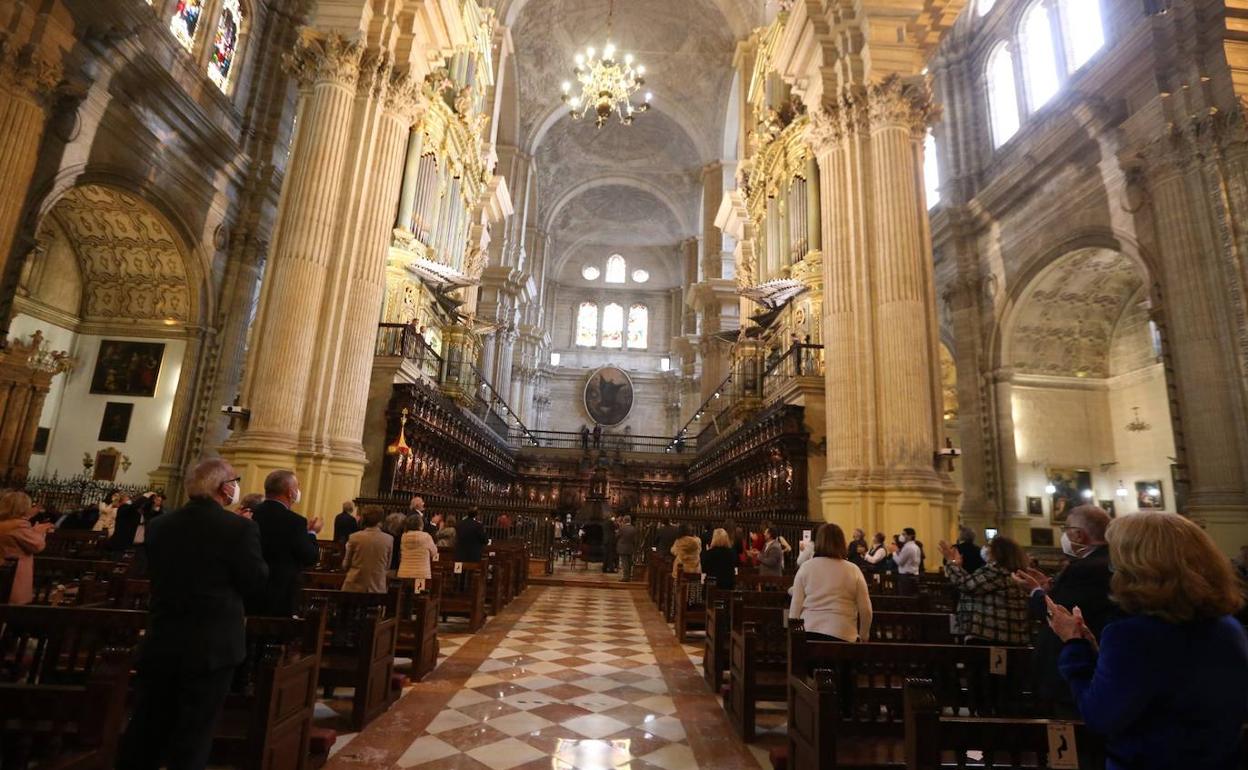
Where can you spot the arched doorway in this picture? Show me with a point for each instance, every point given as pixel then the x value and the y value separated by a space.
pixel 108 282
pixel 1088 395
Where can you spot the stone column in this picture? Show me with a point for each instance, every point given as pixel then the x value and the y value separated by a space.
pixel 1199 314
pixel 712 238
pixel 289 330
pixel 506 355
pixel 29 74
pixel 880 328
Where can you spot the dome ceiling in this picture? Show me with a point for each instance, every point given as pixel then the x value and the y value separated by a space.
pixel 687 48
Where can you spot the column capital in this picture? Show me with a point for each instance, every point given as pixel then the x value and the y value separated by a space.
pixel 23 68
pixel 324 58
pixel 904 102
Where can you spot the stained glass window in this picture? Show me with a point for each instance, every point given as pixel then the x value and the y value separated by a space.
pixel 612 324
pixel 185 21
pixel 931 170
pixel 225 43
pixel 1039 56
pixel 616 269
pixel 638 326
pixel 1084 30
pixel 1002 96
pixel 587 325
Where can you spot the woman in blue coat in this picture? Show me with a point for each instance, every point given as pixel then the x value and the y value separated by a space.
pixel 1168 683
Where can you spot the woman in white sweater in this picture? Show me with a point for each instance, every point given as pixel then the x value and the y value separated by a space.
pixel 830 593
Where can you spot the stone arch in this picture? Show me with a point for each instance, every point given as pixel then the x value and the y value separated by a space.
pixel 618 180
pixel 661 106
pixel 139 293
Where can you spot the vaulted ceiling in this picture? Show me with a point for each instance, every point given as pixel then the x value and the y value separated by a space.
pixel 633 189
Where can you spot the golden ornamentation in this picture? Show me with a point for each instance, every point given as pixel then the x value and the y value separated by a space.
pixel 324 58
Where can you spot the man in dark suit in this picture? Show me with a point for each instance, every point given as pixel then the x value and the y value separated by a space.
pixel 289 544
pixel 667 536
pixel 625 546
pixel 1083 583
pixel 470 538
pixel 346 524
pixel 202 561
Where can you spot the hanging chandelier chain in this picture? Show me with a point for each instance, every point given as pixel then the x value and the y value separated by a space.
pixel 606 84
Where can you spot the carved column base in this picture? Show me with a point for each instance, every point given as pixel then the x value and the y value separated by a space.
pixel 326 481
pixel 889 506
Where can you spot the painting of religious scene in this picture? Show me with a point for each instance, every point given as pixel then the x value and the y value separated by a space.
pixel 1148 495
pixel 1068 486
pixel 609 396
pixel 127 368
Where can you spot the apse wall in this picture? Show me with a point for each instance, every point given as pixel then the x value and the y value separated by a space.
pixel 649 416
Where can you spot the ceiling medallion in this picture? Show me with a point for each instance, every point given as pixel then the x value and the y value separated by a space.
pixel 606 84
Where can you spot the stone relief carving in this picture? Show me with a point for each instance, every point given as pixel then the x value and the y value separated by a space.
pixel 26 70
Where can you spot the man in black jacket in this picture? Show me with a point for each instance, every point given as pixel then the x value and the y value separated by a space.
pixel 667 537
pixel 470 538
pixel 346 523
pixel 1083 583
pixel 202 561
pixel 289 544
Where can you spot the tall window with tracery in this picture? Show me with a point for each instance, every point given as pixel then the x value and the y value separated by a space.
pixel 931 170
pixel 1002 96
pixel 1039 56
pixel 587 325
pixel 613 326
pixel 229 24
pixel 185 21
pixel 638 326
pixel 616 269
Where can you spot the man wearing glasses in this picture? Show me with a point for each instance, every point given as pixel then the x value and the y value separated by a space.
pixel 1082 583
pixel 202 561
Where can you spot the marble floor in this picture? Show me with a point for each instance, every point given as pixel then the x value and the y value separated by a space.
pixel 566 677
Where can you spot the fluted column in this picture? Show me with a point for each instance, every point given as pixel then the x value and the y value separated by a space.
pixel 28 80
pixel 880 329
pixel 411 180
pixel 506 354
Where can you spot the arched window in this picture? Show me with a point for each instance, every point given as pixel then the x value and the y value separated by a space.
pixel 616 269
pixel 931 170
pixel 1002 96
pixel 1084 30
pixel 612 324
pixel 1039 56
pixel 638 326
pixel 224 45
pixel 587 325
pixel 185 21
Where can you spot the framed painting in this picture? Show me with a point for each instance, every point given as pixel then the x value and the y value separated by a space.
pixel 1108 507
pixel 125 368
pixel 1042 536
pixel 106 462
pixel 1068 485
pixel 1035 506
pixel 116 424
pixel 609 396
pixel 1149 495
pixel 41 440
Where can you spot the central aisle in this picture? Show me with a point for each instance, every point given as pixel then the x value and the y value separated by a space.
pixel 567 677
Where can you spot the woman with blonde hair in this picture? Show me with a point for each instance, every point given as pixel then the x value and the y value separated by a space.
pixel 1168 683
pixel 720 560
pixel 21 540
pixel 830 593
pixel 688 552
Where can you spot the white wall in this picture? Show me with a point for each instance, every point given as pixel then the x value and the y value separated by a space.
pixel 74 413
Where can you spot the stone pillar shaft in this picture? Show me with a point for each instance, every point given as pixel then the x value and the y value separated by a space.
pixel 411 180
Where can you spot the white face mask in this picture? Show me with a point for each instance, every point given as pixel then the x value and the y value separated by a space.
pixel 1073 550
pixel 236 494
pixel 983 554
pixel 901 538
pixel 298 497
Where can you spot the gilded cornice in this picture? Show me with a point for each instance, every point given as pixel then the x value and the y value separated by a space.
pixel 22 68
pixel 324 58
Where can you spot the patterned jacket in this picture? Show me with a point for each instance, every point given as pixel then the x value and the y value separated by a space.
pixel 990 605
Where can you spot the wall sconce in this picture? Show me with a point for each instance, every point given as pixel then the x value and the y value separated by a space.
pixel 1122 489
pixel 1050 489
pixel 1087 494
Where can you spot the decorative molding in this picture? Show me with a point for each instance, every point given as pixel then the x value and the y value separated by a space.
pixel 905 102
pixel 324 58
pixel 23 69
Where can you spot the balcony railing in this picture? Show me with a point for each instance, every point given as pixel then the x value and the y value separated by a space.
pixel 404 341
pixel 609 441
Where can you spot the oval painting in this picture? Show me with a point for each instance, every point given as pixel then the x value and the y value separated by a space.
pixel 609 396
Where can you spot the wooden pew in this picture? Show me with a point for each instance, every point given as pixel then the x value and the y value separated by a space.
pixel 845 700
pixel 690 604
pixel 331 556
pixel 757 663
pixel 417 614
pixel 497 569
pixel 64 674
pixel 267 720
pixel 78 582
pixel 358 649
pixel 8 572
pixel 463 594
pixel 75 544
pixel 719 609
pixel 326 581
pixel 935 742
pixel 912 628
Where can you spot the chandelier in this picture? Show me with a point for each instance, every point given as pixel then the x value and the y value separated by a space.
pixel 1137 425
pixel 606 83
